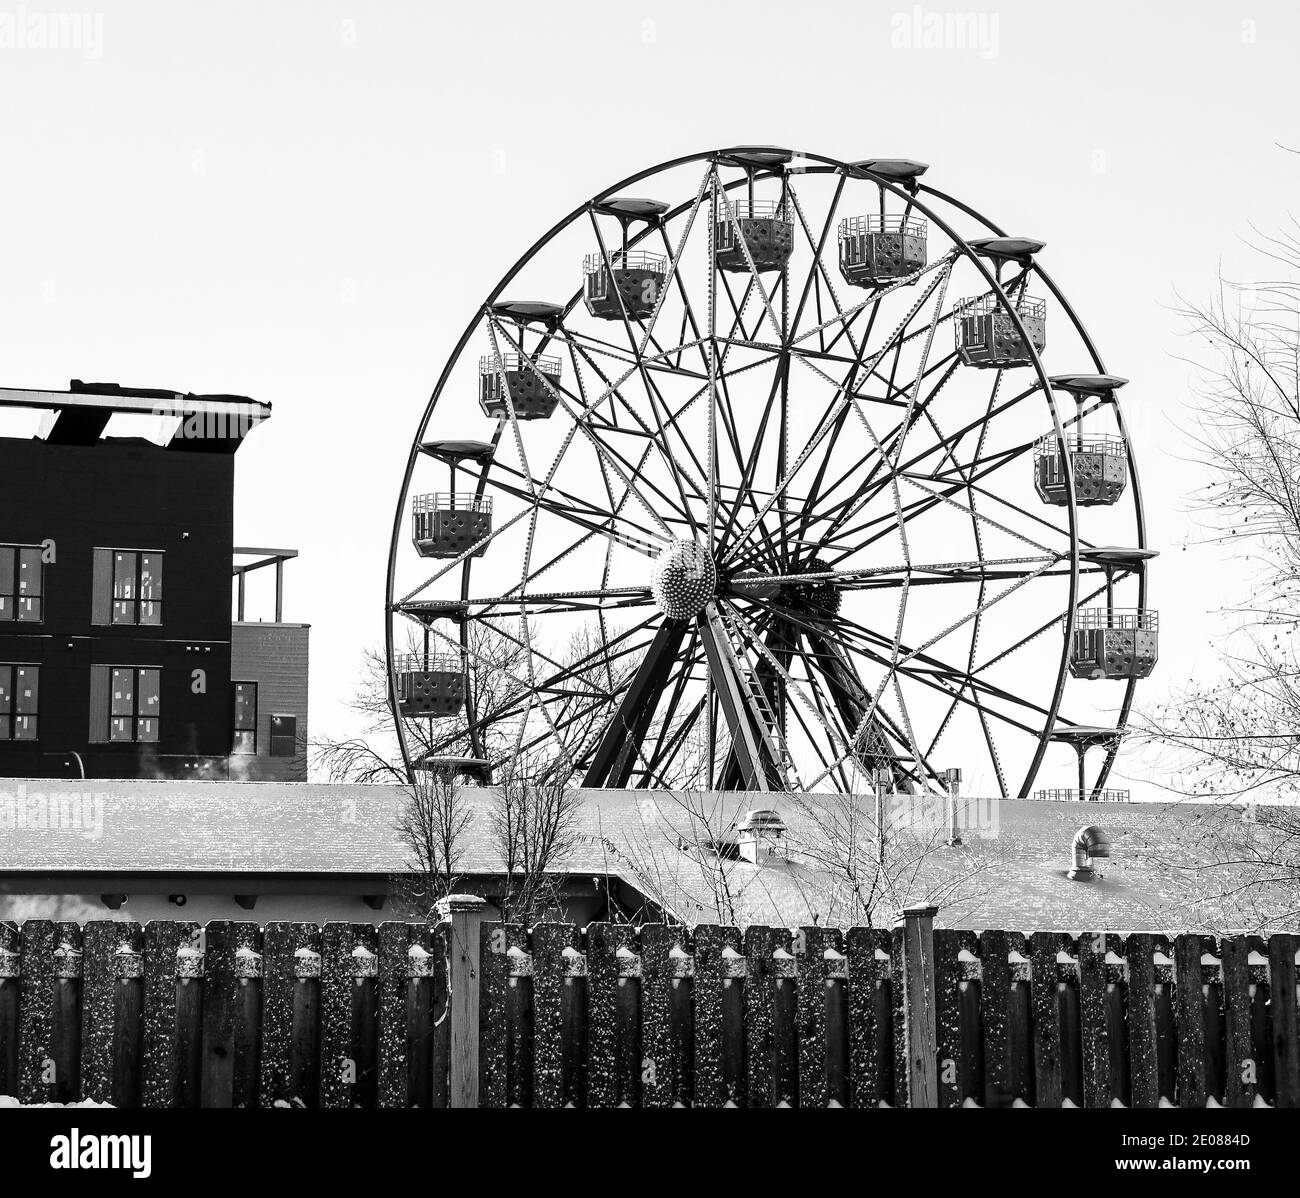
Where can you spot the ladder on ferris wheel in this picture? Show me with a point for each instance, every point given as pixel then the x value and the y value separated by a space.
pixel 769 726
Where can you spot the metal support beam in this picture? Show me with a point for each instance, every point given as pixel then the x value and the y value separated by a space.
pixel 747 739
pixel 616 753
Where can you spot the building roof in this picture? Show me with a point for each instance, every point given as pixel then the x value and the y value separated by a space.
pixel 1158 877
pixel 79 415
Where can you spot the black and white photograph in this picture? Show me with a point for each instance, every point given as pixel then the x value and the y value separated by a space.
pixel 724 554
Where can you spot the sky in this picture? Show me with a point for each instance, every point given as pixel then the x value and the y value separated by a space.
pixel 306 202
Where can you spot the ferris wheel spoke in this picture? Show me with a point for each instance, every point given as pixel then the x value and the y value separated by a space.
pixel 614 460
pixel 669 743
pixel 941 265
pixel 951 683
pixel 827 717
pixel 812 283
pixel 756 279
pixel 817 271
pixel 926 667
pixel 890 446
pixel 753 586
pixel 869 532
pixel 868 728
pixel 655 399
pixel 674 259
pixel 1054 622
pixel 748 465
pixel 843 400
pixel 607 651
pixel 689 317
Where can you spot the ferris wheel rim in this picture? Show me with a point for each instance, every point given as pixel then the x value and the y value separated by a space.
pixel 824 165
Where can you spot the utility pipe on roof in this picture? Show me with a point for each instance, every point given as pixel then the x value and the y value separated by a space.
pixel 1088 843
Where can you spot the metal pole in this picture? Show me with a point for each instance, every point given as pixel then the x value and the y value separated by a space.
pixel 883 779
pixel 953 779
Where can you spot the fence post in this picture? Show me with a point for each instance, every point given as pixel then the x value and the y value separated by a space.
pixel 464 914
pixel 919 1031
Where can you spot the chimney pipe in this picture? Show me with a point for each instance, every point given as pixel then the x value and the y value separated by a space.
pixel 1088 843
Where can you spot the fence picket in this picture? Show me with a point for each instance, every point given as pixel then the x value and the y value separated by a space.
pixel 1241 1069
pixel 404 1000
pixel 10 988
pixel 719 989
pixel 823 1072
pixel 291 967
pixel 871 1047
pixel 1190 1016
pixel 1144 1073
pixel 613 1004
pixel 494 1061
pixel 162 1081
pixel 1093 1027
pixel 954 1080
pixel 559 1011
pixel 1286 1032
pixel 1215 1029
pixel 1046 1008
pixel 761 946
pixel 36 1009
pixel 995 994
pixel 1020 1053
pixel 98 942
pixel 1166 1020
pixel 231 1014
pixel 667 1065
pixel 1261 1020
pixel 126 1063
pixel 349 1016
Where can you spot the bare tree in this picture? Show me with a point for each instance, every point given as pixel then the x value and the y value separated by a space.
pixel 875 857
pixel 533 822
pixel 1237 736
pixel 431 825
pixel 496 665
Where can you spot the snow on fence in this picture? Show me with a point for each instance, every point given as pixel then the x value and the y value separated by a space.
pixel 659 1016
pixel 465 1012
pixel 286 1014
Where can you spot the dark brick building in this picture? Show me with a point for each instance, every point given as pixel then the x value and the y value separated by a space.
pixel 118 653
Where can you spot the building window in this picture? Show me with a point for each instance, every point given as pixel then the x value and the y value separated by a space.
pixel 125 704
pixel 20 688
pixel 22 583
pixel 128 587
pixel 284 735
pixel 245 724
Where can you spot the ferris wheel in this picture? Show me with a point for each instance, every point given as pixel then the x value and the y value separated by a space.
pixel 772 490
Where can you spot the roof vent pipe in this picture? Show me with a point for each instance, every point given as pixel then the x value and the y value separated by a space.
pixel 1088 843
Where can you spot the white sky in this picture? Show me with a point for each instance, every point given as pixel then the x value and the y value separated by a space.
pixel 305 202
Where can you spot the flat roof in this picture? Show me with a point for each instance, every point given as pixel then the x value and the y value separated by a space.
pixel 79 415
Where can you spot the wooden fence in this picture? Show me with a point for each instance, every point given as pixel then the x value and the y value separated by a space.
pixel 657 1016
pixel 287 1014
pixel 457 1014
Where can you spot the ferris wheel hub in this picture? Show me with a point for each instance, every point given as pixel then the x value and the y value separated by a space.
pixel 685 578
